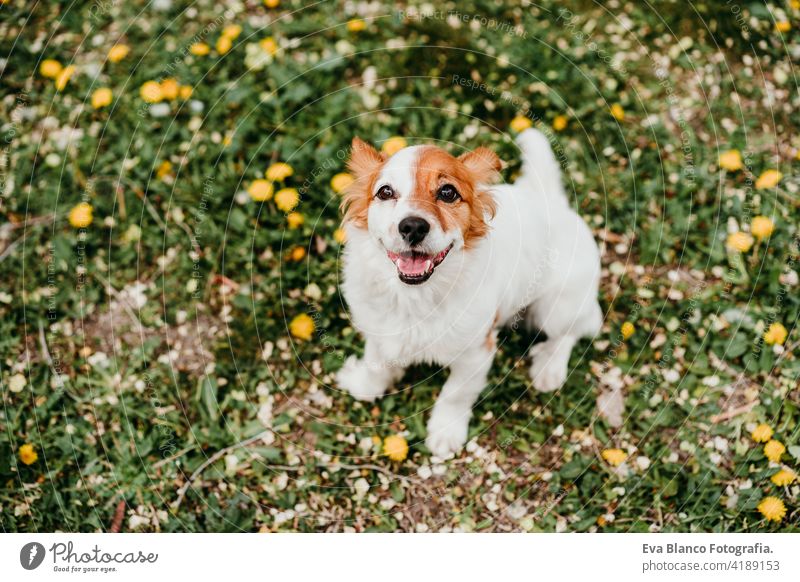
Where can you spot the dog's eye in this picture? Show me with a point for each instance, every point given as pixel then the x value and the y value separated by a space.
pixel 447 193
pixel 385 193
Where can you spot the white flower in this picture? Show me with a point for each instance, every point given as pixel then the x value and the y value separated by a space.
pixel 643 462
pixel 17 382
pixel 160 109
pixel 361 486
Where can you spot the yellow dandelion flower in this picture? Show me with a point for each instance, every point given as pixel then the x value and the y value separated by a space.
pixel 50 68
pixel 150 92
pixel 772 508
pixel 341 181
pixel 199 49
pixel 739 241
pixel 224 44
pixel 102 97
pixel 395 447
pixel 768 179
pixel 164 169
pixel 520 123
pixel 28 454
pixel 731 160
pixel 560 122
pixel 186 92
pixel 627 330
pixel 118 52
pixel 773 450
pixel 762 227
pixel 356 25
pixel 260 190
pixel 614 457
pixel 302 327
pixel 64 76
pixel 393 145
pixel 287 198
pixel 783 477
pixel 783 26
pixel 762 433
pixel 170 89
pixel 268 45
pixel 295 219
pixel 81 215
pixel 617 112
pixel 232 31
pixel 279 172
pixel 340 235
pixel 272 3
pixel 776 334
pixel 297 254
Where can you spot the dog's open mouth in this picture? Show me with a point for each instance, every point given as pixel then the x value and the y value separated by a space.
pixel 414 267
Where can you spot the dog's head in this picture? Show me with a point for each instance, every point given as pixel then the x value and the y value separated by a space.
pixel 421 203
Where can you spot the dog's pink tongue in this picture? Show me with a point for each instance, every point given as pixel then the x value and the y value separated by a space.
pixel 416 265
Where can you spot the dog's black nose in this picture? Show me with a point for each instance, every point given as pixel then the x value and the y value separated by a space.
pixel 413 229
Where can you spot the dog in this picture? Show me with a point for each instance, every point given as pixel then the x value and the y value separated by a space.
pixel 438 257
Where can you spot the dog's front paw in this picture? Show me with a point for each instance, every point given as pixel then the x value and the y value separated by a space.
pixel 356 378
pixel 447 432
pixel 548 371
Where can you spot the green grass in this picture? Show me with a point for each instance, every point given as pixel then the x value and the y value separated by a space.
pixel 129 390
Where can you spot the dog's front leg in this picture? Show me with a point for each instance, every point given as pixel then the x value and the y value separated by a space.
pixel 449 423
pixel 369 377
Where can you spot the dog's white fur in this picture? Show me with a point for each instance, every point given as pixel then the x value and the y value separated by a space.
pixel 539 263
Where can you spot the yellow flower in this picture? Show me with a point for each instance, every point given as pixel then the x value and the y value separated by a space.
pixel 341 181
pixel 151 92
pixel 295 219
pixel 50 68
pixel 731 160
pixel 199 49
pixel 232 31
pixel 627 330
pixel 27 454
pixel 776 334
pixel 762 227
pixel 64 76
pixel 772 508
pixel 739 241
pixel 302 327
pixel 186 91
pixel 614 457
pixel 81 215
pixel 773 450
pixel 287 198
pixel 272 3
pixel 783 26
pixel 395 447
pixel 560 122
pixel 279 172
pixel 101 98
pixel 163 169
pixel 393 145
pixel 268 45
pixel 618 112
pixel 170 89
pixel 224 44
pixel 783 477
pixel 260 190
pixel 520 123
pixel 340 235
pixel 356 25
pixel 762 433
pixel 297 254
pixel 118 52
pixel 769 179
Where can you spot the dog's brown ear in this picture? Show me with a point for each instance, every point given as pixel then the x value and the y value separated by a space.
pixel 364 163
pixel 483 163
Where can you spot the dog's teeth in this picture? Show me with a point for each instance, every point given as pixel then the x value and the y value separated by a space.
pixel 428 265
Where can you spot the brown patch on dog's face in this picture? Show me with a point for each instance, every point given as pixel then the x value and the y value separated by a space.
pixel 365 164
pixel 438 173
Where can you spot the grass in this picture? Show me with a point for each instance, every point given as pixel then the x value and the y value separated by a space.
pixel 148 359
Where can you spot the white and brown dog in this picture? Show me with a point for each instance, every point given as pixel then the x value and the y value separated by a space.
pixel 437 258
